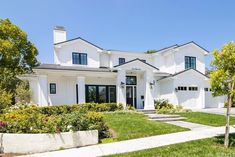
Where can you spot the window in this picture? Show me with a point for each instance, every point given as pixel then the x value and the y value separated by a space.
pixel 182 88
pixel 143 60
pixel 206 89
pixel 79 58
pixel 192 88
pixel 52 88
pixel 121 61
pixel 131 80
pixel 100 93
pixel 190 62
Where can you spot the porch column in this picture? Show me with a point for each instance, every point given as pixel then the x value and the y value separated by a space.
pixel 42 90
pixel 81 89
pixel 149 91
pixel 121 89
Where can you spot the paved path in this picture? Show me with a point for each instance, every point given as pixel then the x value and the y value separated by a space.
pixel 221 111
pixel 136 144
pixel 189 125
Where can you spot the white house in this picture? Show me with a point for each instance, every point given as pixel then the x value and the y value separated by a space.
pixel 84 72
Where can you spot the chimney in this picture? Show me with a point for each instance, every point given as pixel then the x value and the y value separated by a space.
pixel 59 34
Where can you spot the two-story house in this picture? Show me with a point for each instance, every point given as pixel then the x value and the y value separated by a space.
pixel 84 72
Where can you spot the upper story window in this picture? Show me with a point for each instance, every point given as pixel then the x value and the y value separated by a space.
pixel 190 62
pixel 121 61
pixel 79 58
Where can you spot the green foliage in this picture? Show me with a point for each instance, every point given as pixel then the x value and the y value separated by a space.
pixel 22 93
pixel 5 99
pixel 17 55
pixel 163 106
pixel 224 70
pixel 55 119
pixel 151 51
pixel 163 103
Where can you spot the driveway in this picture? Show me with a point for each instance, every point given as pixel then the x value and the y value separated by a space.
pixel 221 111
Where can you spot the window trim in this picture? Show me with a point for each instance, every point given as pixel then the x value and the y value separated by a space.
pixel 52 84
pixel 79 58
pixel 190 62
pixel 119 60
pixel 97 93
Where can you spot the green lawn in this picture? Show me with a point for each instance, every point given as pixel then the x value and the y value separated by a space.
pixel 211 147
pixel 129 125
pixel 206 118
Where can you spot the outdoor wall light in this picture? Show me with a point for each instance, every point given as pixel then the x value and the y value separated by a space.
pixel 152 84
pixel 176 89
pixel 122 85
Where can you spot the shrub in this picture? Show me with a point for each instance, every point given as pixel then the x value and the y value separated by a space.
pixel 226 104
pixel 55 119
pixel 5 99
pixel 163 103
pixel 175 109
pixel 22 93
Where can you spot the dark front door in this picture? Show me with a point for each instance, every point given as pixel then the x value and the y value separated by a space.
pixel 131 95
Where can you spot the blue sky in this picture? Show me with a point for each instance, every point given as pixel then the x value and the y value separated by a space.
pixel 133 25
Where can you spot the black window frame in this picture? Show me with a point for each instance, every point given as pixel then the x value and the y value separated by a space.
pixel 182 88
pixel 97 93
pixel 79 60
pixel 188 61
pixel 121 61
pixel 51 88
pixel 131 83
pixel 193 88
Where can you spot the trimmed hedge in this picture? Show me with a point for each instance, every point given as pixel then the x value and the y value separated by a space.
pixel 55 119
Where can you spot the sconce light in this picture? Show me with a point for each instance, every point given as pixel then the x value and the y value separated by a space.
pixel 176 89
pixel 152 84
pixel 122 84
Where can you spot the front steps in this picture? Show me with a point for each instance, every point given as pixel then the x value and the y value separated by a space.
pixel 161 117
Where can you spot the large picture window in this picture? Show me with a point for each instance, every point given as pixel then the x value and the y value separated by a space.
pixel 190 62
pixel 100 93
pixel 79 58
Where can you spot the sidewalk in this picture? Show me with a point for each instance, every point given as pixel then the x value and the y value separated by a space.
pixel 137 144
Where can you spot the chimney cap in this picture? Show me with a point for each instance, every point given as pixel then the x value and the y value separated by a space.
pixel 61 28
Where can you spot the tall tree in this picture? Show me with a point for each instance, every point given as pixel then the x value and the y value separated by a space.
pixel 223 78
pixel 17 55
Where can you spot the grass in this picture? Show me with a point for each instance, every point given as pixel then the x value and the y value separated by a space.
pixel 130 125
pixel 206 118
pixel 211 147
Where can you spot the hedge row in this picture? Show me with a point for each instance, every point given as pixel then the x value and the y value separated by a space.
pixel 55 119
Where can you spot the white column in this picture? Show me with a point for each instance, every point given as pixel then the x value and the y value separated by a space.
pixel 121 90
pixel 43 90
pixel 149 92
pixel 202 97
pixel 81 89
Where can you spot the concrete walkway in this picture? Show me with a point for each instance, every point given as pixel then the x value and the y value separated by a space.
pixel 189 125
pixel 137 144
pixel 220 111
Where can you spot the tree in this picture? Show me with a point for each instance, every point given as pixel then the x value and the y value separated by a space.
pixel 17 55
pixel 150 51
pixel 223 79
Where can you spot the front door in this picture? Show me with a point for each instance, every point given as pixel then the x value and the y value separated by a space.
pixel 131 95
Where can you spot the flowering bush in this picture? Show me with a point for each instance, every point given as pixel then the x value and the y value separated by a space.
pixel 56 119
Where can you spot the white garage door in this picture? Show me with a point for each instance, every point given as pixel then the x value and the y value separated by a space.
pixel 188 99
pixel 213 102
